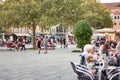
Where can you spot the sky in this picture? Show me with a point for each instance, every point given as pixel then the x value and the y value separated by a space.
pixel 109 1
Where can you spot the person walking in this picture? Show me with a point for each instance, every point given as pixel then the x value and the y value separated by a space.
pixel 61 41
pixel 38 45
pixel 45 42
pixel 64 42
pixel 23 44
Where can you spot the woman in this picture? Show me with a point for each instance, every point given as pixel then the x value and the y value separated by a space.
pixel 117 37
pixel 92 58
pixel 101 49
pixel 39 45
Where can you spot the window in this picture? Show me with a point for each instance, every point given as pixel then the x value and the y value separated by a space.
pixel 115 17
pixel 118 17
pixel 57 29
pixel 50 30
pixel 115 23
pixel 20 29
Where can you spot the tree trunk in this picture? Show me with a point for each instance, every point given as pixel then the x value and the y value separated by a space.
pixel 34 33
pixel 42 29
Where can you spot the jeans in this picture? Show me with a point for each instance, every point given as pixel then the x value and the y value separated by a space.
pixel 118 60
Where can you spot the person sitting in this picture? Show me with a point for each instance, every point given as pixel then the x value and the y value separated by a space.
pixel 15 44
pixel 85 54
pixel 92 60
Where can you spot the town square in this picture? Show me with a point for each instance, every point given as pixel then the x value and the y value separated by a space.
pixel 59 39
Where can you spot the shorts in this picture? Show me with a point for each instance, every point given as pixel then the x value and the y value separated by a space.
pixel 45 46
pixel 38 46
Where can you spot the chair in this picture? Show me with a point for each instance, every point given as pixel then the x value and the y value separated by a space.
pixel 86 71
pixel 79 74
pixel 82 72
pixel 85 68
pixel 114 73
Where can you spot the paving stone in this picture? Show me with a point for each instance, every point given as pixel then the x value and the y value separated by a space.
pixel 29 65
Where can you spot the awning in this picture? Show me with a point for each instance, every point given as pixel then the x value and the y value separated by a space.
pixel 22 34
pixel 70 34
pixel 105 30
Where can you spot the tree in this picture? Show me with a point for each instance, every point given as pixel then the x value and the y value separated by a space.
pixel 4 19
pixel 50 12
pixel 97 15
pixel 23 13
pixel 71 11
pixel 83 33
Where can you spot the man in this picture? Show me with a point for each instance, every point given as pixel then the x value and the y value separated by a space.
pixel 64 42
pixel 61 41
pixel 23 44
pixel 117 37
pixel 45 42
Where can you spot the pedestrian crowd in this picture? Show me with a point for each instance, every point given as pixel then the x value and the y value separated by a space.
pixel 47 42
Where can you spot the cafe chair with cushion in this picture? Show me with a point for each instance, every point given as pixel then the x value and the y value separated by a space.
pixel 82 72
pixel 87 75
pixel 114 74
pixel 78 74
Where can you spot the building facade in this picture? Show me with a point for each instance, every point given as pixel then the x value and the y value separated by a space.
pixel 115 13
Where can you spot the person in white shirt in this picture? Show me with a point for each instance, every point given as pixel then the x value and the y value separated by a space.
pixel 85 53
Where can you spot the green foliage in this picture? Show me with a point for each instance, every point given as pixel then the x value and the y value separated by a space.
pixel 76 51
pixel 82 32
pixel 68 12
pixel 46 13
pixel 97 15
pixel 49 12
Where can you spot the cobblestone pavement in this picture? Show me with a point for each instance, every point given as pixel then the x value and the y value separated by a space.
pixel 28 65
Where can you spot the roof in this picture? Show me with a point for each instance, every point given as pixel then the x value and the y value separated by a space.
pixel 22 34
pixel 114 7
pixel 1 1
pixel 105 30
pixel 116 12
